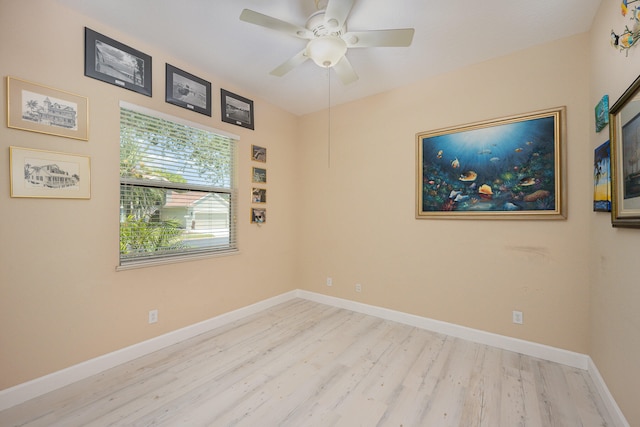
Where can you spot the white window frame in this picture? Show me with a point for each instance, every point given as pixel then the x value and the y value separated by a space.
pixel 187 255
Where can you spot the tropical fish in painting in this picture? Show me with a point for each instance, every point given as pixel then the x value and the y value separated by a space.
pixel 518 150
pixel 494 159
pixel 529 142
pixel 455 163
pixel 525 182
pixel 485 191
pixel 439 155
pixel 461 198
pixel 484 151
pixel 468 176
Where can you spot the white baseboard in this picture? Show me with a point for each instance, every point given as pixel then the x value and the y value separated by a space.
pixel 609 401
pixel 39 386
pixel 541 351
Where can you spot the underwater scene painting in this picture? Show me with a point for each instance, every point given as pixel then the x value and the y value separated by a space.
pixel 506 167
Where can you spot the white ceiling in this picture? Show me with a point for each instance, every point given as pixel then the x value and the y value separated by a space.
pixel 449 35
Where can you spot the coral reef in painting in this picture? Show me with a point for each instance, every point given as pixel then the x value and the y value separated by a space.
pixel 506 168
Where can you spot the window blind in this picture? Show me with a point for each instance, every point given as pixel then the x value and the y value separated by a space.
pixel 177 189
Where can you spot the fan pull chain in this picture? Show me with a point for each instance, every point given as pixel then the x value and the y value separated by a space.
pixel 329 120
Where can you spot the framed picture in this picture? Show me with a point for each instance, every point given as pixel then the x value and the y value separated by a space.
pixel 624 132
pixel 43 109
pixel 258 154
pixel 602 113
pixel 259 195
pixel 236 109
pixel 602 178
pixel 188 91
pixel 47 174
pixel 508 168
pixel 116 63
pixel 259 175
pixel 258 215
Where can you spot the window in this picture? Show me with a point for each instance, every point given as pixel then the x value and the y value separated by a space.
pixel 177 195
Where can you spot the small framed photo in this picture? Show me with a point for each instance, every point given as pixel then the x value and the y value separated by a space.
pixel 236 109
pixel 258 215
pixel 48 174
pixel 602 113
pixel 259 195
pixel 43 109
pixel 258 154
pixel 188 91
pixel 116 63
pixel 259 175
pixel 602 178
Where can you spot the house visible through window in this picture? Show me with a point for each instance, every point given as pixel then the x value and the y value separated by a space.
pixel 177 195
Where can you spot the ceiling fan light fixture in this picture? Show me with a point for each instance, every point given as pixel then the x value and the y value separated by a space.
pixel 326 51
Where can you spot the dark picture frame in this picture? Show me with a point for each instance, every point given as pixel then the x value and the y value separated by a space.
pixel 187 91
pixel 507 168
pixel 624 133
pixel 236 109
pixel 113 62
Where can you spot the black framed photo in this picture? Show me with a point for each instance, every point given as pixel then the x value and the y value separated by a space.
pixel 188 91
pixel 236 109
pixel 110 61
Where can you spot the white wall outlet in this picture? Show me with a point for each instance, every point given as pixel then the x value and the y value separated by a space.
pixel 153 316
pixel 329 281
pixel 517 317
pixel 358 287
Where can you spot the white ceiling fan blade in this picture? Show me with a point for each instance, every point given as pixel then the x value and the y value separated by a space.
pixel 256 18
pixel 290 64
pixel 344 70
pixel 337 11
pixel 401 37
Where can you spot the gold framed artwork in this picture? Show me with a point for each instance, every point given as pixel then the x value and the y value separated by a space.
pixel 507 168
pixel 258 215
pixel 624 133
pixel 258 154
pixel 37 108
pixel 259 195
pixel 48 174
pixel 259 175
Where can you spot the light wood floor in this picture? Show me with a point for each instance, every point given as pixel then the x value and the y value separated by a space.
pixel 307 364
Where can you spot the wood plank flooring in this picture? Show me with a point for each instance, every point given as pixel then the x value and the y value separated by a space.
pixel 306 364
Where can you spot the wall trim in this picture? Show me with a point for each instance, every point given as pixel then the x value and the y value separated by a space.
pixel 26 391
pixel 553 354
pixel 39 386
pixel 603 391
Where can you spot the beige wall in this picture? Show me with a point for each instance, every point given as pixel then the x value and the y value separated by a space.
pixel 615 288
pixel 61 300
pixel 358 224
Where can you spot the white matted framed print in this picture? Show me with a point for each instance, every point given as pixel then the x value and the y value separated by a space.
pixel 43 109
pixel 48 174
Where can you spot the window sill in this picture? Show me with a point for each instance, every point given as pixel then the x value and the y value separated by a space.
pixel 131 265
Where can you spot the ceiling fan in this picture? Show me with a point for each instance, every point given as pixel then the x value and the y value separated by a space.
pixel 328 38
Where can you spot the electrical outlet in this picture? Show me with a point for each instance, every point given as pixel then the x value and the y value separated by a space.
pixel 329 281
pixel 358 287
pixel 153 316
pixel 517 317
